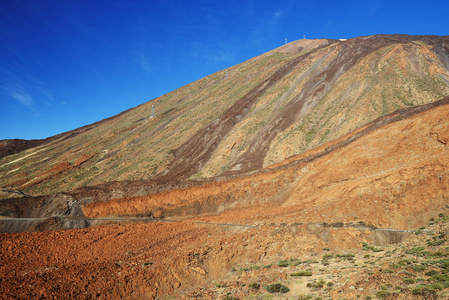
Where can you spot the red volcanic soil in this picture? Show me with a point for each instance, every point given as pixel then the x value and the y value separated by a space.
pixel 104 262
pixel 142 261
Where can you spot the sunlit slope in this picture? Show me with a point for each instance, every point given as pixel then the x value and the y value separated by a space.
pixel 329 96
pixel 133 145
pixel 254 114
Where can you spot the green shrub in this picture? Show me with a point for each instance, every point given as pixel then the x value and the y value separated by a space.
pixel 366 247
pixel 283 263
pixel 417 251
pixel 302 273
pixel 436 243
pixel 254 286
pixel 429 291
pixel 407 261
pixel 266 266
pixel 254 267
pixel 295 262
pixel 316 285
pixel 383 294
pixel 345 255
pixel 440 278
pixel 409 280
pixel 431 273
pixel 419 268
pixel 276 288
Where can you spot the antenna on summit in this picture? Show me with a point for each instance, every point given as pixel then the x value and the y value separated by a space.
pixel 152 111
pixel 286 41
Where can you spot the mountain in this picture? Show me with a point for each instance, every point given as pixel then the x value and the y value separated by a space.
pixel 252 115
pixel 320 167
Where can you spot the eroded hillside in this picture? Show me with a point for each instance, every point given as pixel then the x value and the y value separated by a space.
pixel 249 116
pixel 390 174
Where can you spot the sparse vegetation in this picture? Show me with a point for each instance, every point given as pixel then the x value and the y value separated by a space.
pixel 409 280
pixel 383 294
pixel 301 273
pixel 283 263
pixel 276 288
pixel 367 247
pixel 254 286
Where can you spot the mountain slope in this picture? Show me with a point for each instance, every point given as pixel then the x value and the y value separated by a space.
pixel 258 113
pixel 390 174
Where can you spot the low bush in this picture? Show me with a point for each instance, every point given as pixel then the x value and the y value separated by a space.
pixel 283 263
pixel 431 273
pixel 367 247
pixel 317 284
pixel 428 291
pixel 383 294
pixel 419 268
pixel 409 280
pixel 254 286
pixel 302 273
pixel 276 288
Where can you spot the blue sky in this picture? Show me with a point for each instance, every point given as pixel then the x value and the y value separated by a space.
pixel 66 64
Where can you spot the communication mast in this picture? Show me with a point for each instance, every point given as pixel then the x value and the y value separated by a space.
pixel 153 108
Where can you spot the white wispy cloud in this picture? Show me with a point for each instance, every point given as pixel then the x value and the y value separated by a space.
pixel 18 93
pixel 21 95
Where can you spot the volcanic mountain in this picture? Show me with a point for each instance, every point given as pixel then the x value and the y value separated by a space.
pixel 319 145
pixel 260 112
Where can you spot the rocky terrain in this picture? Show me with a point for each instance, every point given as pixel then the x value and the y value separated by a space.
pixel 322 175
